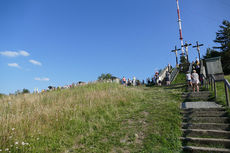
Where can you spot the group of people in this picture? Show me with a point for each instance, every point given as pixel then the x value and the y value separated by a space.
pixel 157 80
pixel 129 82
pixel 193 80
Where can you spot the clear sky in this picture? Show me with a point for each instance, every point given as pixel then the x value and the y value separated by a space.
pixel 58 42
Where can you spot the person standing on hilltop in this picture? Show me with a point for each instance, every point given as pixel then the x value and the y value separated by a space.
pixel 134 81
pixel 167 78
pixel 124 80
pixel 195 81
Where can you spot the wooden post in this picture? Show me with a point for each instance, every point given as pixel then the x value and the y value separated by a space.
pixel 215 89
pixel 211 85
pixel 226 94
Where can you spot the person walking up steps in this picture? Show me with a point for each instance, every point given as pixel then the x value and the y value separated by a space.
pixel 189 79
pixel 195 81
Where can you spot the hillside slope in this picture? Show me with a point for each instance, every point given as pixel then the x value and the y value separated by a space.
pixel 93 118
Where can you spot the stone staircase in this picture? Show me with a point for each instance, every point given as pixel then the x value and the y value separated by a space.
pixel 206 125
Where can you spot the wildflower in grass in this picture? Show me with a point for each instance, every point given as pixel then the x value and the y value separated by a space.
pixel 37 138
pixel 27 144
pixel 13 129
pixel 16 143
pixel 7 149
pixel 10 137
pixel 23 143
pixel 0 150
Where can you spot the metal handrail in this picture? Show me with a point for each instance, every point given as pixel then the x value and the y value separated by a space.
pixel 163 74
pixel 227 83
pixel 212 81
pixel 173 74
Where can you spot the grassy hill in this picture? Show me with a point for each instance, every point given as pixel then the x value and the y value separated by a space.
pixel 99 118
pixel 181 78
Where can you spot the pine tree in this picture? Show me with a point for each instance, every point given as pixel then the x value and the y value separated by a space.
pixel 223 50
pixel 223 37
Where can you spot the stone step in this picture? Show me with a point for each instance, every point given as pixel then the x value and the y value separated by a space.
pixel 204 113
pixel 206 133
pixel 195 97
pixel 194 149
pixel 206 120
pixel 203 109
pixel 206 126
pixel 191 89
pixel 207 141
pixel 196 93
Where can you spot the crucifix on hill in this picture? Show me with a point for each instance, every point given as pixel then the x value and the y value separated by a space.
pixel 186 49
pixel 198 48
pixel 176 54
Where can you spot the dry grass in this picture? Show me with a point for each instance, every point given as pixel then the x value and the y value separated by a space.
pixel 30 117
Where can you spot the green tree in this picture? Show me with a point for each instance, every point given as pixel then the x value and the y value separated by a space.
pixel 105 76
pixel 25 91
pixel 183 60
pixel 223 39
pixel 184 64
pixel 211 53
pixel 223 50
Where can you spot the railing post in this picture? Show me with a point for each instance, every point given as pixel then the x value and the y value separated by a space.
pixel 215 89
pixel 211 85
pixel 226 93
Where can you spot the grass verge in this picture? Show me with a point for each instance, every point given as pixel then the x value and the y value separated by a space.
pixel 181 78
pixel 221 98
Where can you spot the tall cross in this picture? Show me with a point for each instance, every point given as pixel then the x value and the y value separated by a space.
pixel 186 49
pixel 175 50
pixel 198 48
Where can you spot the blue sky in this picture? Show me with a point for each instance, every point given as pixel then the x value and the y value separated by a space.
pixel 57 42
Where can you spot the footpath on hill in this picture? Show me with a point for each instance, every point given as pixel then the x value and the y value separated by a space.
pixel 205 124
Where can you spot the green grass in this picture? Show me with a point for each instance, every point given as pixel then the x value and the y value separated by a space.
pixel 221 98
pixel 181 78
pixel 97 118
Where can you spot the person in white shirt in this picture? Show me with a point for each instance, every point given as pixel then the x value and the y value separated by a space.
pixel 195 81
pixel 189 79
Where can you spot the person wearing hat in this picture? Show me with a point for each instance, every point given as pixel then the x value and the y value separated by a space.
pixel 195 81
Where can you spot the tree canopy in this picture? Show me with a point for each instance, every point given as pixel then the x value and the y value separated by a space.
pixel 105 76
pixel 223 48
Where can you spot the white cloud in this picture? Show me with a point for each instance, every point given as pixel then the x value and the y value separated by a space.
pixel 9 53
pixel 41 79
pixel 35 62
pixel 13 65
pixel 14 54
pixel 24 53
